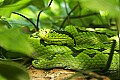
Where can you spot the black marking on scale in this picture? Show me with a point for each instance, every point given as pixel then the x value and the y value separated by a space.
pixel 76 52
pixel 42 42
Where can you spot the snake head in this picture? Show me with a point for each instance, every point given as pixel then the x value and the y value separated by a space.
pixel 51 36
pixel 43 33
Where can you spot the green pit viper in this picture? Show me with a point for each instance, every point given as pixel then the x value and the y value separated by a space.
pixel 72 49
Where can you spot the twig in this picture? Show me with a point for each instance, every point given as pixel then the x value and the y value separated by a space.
pixel 36 26
pixel 82 21
pixel 25 18
pixel 40 13
pixel 67 11
pixel 110 56
pixel 68 15
pixel 83 16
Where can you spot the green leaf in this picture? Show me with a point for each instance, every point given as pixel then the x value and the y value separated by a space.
pixel 38 3
pixel 4 23
pixel 15 41
pixel 9 6
pixel 109 6
pixel 1 1
pixel 2 78
pixel 13 71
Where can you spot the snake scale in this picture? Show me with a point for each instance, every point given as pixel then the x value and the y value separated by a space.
pixel 72 49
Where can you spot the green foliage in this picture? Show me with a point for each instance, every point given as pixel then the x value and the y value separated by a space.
pixel 83 13
pixel 53 17
pixel 13 71
pixel 14 40
pixel 38 3
pixel 9 6
pixel 111 7
pixel 2 78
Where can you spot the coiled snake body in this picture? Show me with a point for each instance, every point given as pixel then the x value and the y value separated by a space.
pixel 71 49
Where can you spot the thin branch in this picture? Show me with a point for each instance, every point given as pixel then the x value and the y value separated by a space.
pixel 50 3
pixel 69 15
pixel 65 6
pixel 40 13
pixel 38 19
pixel 80 16
pixel 67 11
pixel 83 16
pixel 100 18
pixel 110 56
pixel 36 26
pixel 80 10
pixel 25 18
pixel 117 20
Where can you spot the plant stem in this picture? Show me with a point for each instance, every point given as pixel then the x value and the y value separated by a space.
pixel 68 15
pixel 118 29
